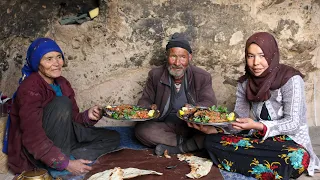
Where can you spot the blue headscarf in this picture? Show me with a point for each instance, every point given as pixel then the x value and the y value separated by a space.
pixel 36 51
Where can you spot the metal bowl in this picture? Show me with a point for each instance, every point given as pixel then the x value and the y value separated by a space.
pixel 36 174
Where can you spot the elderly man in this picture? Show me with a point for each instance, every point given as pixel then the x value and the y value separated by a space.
pixel 169 88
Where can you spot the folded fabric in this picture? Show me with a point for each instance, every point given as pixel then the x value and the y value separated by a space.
pixel 75 19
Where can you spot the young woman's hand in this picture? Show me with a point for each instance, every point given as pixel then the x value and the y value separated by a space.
pixel 95 113
pixel 247 124
pixel 79 166
pixel 204 129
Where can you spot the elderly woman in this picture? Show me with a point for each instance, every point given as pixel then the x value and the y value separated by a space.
pixel 46 128
pixel 278 144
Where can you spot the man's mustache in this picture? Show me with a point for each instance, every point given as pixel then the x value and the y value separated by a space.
pixel 176 67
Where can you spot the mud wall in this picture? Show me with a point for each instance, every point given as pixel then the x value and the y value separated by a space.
pixel 108 58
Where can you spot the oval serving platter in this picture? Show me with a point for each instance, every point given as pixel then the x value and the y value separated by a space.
pixel 127 112
pixel 188 116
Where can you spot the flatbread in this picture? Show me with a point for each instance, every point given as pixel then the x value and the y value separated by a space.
pixel 199 166
pixel 118 174
pixel 134 172
pixel 102 175
pixel 166 154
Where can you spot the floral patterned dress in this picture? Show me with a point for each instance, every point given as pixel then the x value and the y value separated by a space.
pixel 277 157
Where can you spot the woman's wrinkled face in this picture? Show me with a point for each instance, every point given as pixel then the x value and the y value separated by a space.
pixel 50 66
pixel 256 61
pixel 178 60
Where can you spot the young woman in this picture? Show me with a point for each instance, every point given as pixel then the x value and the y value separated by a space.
pixel 278 144
pixel 46 128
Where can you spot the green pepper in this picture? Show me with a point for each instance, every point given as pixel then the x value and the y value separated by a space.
pixel 206 119
pixel 126 116
pixel 115 115
pixel 136 108
pixel 197 119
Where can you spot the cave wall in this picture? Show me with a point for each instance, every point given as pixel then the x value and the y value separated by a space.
pixel 108 58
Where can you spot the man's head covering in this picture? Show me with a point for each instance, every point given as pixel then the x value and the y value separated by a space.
pixel 274 77
pixel 179 40
pixel 36 51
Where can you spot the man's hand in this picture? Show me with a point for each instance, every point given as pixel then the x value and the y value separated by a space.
pixel 188 106
pixel 202 128
pixel 154 106
pixel 247 124
pixel 95 113
pixel 79 166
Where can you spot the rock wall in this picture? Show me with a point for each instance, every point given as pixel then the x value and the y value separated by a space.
pixel 108 58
